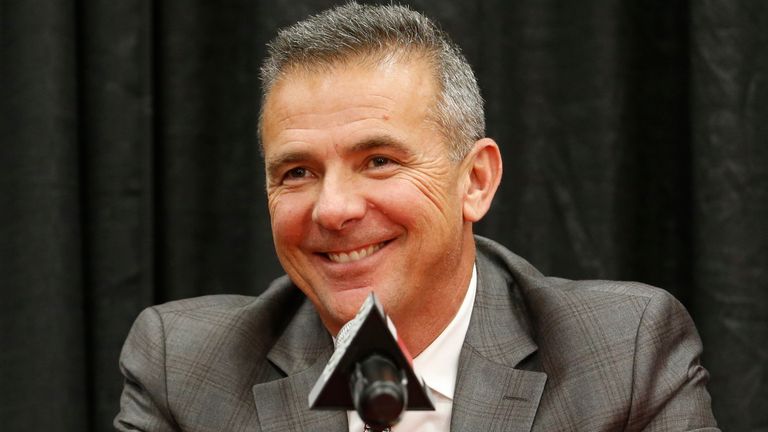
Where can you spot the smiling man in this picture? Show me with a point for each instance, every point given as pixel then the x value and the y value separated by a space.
pixel 377 167
pixel 364 196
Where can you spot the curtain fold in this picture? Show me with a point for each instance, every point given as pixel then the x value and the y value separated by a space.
pixel 634 141
pixel 43 320
pixel 729 105
pixel 117 142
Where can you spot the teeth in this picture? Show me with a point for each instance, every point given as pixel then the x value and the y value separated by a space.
pixel 345 257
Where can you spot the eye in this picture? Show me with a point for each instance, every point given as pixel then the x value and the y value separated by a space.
pixel 298 173
pixel 379 161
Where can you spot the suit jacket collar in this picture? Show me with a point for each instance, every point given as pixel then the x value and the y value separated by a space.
pixel 302 342
pixel 494 391
pixel 301 353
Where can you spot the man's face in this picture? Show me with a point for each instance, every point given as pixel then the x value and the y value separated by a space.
pixel 362 194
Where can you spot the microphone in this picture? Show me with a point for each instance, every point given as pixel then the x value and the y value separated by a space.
pixel 371 372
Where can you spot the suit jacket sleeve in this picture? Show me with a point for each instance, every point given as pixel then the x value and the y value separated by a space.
pixel 144 403
pixel 669 391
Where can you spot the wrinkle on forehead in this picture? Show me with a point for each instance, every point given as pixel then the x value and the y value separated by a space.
pixel 387 54
pixel 385 57
pixel 309 73
pixel 294 107
pixel 305 121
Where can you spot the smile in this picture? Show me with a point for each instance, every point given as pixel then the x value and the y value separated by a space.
pixel 355 255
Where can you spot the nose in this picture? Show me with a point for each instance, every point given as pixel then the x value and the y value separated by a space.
pixel 339 203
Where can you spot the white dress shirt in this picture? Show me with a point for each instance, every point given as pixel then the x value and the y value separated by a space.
pixel 438 364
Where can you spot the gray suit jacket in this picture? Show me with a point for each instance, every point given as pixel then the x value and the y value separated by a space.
pixel 541 354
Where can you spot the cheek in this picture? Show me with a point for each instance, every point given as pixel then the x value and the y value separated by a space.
pixel 288 216
pixel 415 202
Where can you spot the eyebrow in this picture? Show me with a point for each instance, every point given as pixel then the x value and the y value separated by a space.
pixel 367 145
pixel 380 141
pixel 273 166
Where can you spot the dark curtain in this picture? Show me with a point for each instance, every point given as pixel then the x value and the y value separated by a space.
pixel 634 135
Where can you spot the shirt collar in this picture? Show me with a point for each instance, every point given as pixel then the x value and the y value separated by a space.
pixel 438 364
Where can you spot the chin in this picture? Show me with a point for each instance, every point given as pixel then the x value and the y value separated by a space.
pixel 345 305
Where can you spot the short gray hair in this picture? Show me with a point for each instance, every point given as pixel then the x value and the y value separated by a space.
pixel 355 31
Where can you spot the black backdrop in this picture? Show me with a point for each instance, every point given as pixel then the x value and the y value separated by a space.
pixel 634 135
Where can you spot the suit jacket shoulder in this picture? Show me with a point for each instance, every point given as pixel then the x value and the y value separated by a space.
pixel 617 355
pixel 191 364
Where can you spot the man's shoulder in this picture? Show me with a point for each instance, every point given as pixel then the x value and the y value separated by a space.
pixel 281 292
pixel 599 287
pixel 608 342
pixel 192 354
pixel 535 286
pixel 208 303
pixel 607 296
pixel 188 326
pixel 565 312
pixel 590 307
pixel 212 336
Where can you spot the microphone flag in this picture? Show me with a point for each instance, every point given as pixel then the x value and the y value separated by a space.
pixel 370 333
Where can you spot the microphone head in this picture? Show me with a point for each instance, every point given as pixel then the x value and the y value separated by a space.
pixel 379 391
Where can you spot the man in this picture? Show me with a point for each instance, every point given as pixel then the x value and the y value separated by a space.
pixel 372 132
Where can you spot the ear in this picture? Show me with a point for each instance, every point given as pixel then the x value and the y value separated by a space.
pixel 483 170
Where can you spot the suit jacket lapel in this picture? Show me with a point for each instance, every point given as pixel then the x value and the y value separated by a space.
pixel 494 391
pixel 301 353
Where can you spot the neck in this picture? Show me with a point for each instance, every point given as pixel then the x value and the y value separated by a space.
pixel 422 324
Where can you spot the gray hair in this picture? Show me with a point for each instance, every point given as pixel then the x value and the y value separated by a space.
pixel 354 31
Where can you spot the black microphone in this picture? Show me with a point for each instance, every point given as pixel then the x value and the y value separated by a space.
pixel 370 372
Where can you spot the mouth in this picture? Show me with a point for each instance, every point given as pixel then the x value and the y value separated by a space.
pixel 355 255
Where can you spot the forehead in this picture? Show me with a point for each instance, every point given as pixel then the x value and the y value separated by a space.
pixel 317 95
